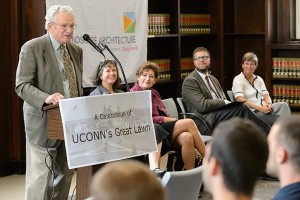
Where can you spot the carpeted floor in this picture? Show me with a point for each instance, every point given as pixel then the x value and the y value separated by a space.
pixel 264 190
pixel 12 188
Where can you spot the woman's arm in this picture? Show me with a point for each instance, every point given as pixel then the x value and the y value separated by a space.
pixel 264 108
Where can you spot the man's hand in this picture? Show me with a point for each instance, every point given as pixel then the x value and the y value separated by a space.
pixel 227 102
pixel 54 98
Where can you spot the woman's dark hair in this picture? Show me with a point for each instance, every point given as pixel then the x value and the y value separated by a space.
pixel 104 64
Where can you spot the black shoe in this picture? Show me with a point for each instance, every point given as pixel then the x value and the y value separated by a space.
pixel 267 177
pixel 159 172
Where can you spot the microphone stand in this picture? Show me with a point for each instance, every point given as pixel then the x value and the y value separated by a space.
pixel 116 59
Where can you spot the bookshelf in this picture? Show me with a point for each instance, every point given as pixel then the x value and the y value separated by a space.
pixel 286 73
pixel 284 57
pixel 245 29
pixel 235 27
pixel 175 29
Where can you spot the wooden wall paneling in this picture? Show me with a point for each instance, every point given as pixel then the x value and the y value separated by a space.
pixel 19 22
pixel 228 16
pixel 10 133
pixel 18 146
pixel 271 37
pixel 249 16
pixel 217 32
pixel 284 20
pixel 33 14
pixel 292 20
pixel 5 137
pixel 229 63
pixel 221 41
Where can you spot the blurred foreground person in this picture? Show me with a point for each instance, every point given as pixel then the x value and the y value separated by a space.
pixel 126 180
pixel 235 158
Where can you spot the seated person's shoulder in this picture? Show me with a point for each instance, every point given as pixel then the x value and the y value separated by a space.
pixel 260 78
pixel 94 91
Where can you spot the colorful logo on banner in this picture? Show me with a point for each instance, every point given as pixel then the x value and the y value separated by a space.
pixel 129 22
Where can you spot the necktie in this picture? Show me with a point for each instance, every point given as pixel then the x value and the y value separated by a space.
pixel 211 88
pixel 69 72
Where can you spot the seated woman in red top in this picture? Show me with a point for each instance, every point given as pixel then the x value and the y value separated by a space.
pixel 182 132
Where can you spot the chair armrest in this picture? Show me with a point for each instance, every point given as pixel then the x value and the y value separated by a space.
pixel 192 114
pixel 199 118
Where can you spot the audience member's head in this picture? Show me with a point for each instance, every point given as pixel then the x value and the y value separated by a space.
pixel 284 155
pixel 126 180
pixel 235 157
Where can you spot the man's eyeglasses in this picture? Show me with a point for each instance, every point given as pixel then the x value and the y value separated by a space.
pixel 66 26
pixel 201 57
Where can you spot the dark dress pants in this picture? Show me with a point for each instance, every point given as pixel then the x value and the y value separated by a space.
pixel 238 110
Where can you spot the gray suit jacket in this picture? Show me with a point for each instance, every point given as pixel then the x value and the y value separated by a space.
pixel 197 97
pixel 37 77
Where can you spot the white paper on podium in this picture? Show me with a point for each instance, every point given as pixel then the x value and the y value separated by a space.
pixel 104 128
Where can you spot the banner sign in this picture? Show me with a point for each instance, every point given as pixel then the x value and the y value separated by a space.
pixel 104 128
pixel 121 25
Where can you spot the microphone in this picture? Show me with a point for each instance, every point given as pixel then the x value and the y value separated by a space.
pixel 87 38
pixel 102 46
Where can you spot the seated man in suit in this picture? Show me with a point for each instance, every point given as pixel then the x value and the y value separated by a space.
pixel 284 156
pixel 204 96
pixel 236 156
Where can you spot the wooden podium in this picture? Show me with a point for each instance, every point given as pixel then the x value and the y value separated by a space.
pixel 55 132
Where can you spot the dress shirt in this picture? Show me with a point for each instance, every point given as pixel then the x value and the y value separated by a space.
pixel 214 95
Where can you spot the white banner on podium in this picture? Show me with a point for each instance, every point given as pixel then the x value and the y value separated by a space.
pixel 104 128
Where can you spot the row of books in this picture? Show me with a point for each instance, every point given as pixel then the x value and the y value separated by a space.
pixel 158 24
pixel 164 69
pixel 286 67
pixel 286 93
pixel 194 23
pixel 187 65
